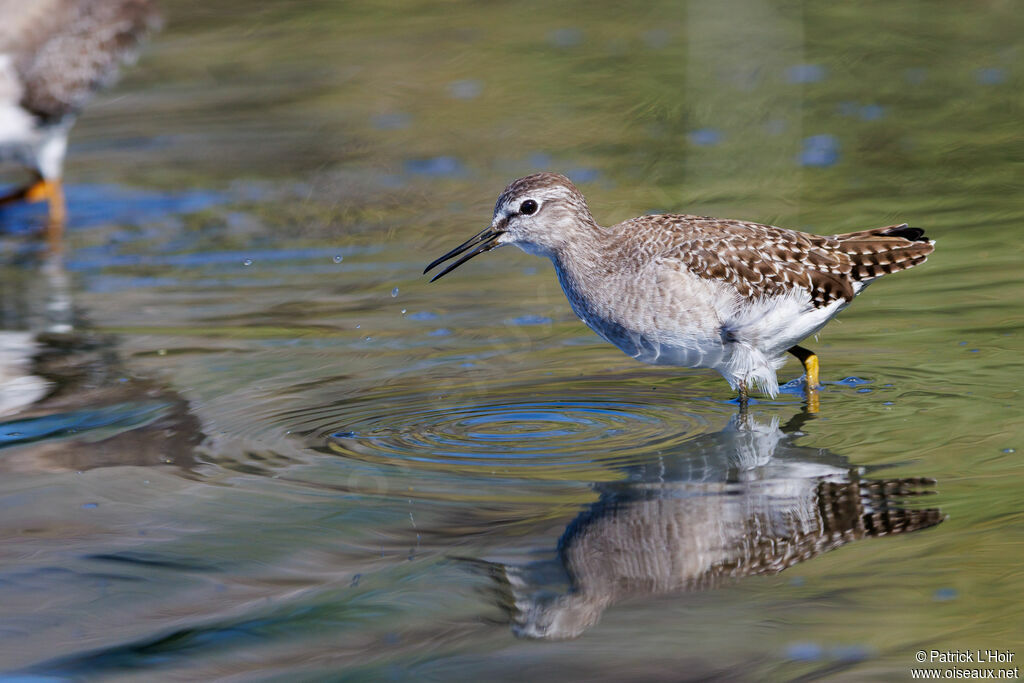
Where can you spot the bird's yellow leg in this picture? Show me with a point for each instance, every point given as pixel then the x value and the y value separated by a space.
pixel 810 362
pixel 811 369
pixel 46 190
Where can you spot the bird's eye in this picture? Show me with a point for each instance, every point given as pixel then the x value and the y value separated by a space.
pixel 528 208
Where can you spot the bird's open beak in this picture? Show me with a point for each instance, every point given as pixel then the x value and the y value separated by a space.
pixel 485 240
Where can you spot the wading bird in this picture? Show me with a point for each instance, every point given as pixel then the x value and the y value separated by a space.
pixel 695 291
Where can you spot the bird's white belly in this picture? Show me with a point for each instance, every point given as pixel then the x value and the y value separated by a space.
pixel 17 127
pixel 694 352
pixel 18 135
pixel 652 322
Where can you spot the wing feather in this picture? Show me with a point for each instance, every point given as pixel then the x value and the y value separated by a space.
pixel 763 260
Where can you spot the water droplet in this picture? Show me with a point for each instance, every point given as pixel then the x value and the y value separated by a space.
pixel 339 258
pixel 247 262
pixel 394 292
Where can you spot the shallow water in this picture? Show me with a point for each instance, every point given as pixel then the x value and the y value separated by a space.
pixel 242 437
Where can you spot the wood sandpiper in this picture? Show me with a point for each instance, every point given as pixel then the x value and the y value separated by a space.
pixel 695 291
pixel 54 54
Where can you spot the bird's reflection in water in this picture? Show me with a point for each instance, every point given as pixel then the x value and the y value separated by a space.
pixel 67 402
pixel 743 501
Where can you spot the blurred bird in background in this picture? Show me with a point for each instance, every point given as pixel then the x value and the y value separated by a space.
pixel 54 55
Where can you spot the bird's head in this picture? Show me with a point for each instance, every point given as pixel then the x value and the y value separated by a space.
pixel 538 213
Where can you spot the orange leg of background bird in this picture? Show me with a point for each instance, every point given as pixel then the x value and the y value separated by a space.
pixel 49 191
pixel 52 192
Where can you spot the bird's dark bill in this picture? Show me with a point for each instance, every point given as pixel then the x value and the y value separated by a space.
pixel 485 240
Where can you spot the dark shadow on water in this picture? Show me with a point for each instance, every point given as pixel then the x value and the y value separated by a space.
pixel 740 502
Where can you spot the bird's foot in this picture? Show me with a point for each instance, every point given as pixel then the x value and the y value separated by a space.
pixel 743 398
pixel 46 190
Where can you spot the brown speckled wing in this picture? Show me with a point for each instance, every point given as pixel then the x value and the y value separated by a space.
pixel 65 50
pixel 763 261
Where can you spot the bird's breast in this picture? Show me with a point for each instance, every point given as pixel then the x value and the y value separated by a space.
pixel 656 316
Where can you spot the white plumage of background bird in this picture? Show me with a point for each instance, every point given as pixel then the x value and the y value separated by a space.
pixel 54 56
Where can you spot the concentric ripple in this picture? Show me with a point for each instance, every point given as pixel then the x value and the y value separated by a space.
pixel 520 432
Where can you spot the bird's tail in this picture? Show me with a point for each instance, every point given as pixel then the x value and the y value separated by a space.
pixel 880 251
pixel 876 507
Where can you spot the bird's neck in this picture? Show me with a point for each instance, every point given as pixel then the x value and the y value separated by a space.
pixel 581 262
pixel 584 249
